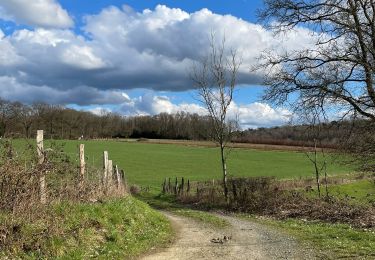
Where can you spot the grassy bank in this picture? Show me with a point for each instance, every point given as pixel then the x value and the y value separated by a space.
pixel 114 229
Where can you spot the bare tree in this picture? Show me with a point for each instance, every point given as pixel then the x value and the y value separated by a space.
pixel 317 156
pixel 337 72
pixel 215 78
pixel 5 116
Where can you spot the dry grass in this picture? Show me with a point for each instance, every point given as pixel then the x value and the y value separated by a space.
pixel 257 146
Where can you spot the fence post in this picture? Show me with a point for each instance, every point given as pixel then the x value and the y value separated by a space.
pixel 122 173
pixel 105 167
pixel 181 191
pixel 165 186
pixel 82 163
pixel 188 186
pixel 42 179
pixel 176 187
pixel 110 172
pixel 118 176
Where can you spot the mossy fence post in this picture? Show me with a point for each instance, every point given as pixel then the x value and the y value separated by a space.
pixel 42 178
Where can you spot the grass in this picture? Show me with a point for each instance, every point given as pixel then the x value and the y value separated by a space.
pixel 169 203
pixel 115 229
pixel 330 241
pixel 148 164
pixel 363 190
pixel 358 191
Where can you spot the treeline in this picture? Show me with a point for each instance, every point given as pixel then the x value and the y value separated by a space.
pixel 327 134
pixel 59 122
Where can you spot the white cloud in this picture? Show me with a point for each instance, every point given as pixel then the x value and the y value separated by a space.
pixel 258 114
pixel 39 13
pixel 99 111
pixel 151 104
pixel 251 115
pixel 123 49
pixel 153 49
pixel 81 57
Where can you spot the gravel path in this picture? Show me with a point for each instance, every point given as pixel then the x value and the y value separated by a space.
pixel 247 240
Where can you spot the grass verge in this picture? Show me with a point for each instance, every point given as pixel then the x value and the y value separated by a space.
pixel 114 229
pixel 169 203
pixel 331 241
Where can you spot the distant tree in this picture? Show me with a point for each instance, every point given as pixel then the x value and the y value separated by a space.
pixel 5 116
pixel 215 77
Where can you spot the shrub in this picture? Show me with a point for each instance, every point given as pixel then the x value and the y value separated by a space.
pixel 135 189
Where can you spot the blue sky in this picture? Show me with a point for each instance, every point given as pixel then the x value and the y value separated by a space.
pixel 132 57
pixel 245 9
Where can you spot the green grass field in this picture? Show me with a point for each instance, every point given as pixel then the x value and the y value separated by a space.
pixel 148 164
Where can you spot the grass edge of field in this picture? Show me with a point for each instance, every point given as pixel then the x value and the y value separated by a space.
pixel 328 240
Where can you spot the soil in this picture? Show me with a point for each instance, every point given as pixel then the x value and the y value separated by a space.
pixel 265 147
pixel 241 240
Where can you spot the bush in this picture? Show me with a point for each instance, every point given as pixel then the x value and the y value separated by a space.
pixel 20 174
pixel 263 195
pixel 135 189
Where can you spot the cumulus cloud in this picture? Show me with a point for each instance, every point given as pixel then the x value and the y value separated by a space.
pixel 39 13
pixel 151 104
pixel 251 115
pixel 258 114
pixel 124 49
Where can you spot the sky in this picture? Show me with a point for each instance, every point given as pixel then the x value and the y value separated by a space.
pixel 133 56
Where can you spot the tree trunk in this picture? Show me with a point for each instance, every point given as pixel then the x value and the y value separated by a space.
pixel 316 167
pixel 224 166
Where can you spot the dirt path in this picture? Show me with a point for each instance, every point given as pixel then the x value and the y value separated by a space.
pixel 248 241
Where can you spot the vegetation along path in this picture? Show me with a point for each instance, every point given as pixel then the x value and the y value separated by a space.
pixel 241 240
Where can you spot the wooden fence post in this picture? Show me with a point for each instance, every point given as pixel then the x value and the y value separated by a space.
pixel 181 191
pixel 82 163
pixel 105 167
pixel 176 187
pixel 118 176
pixel 42 179
pixel 188 186
pixel 165 186
pixel 122 173
pixel 110 172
